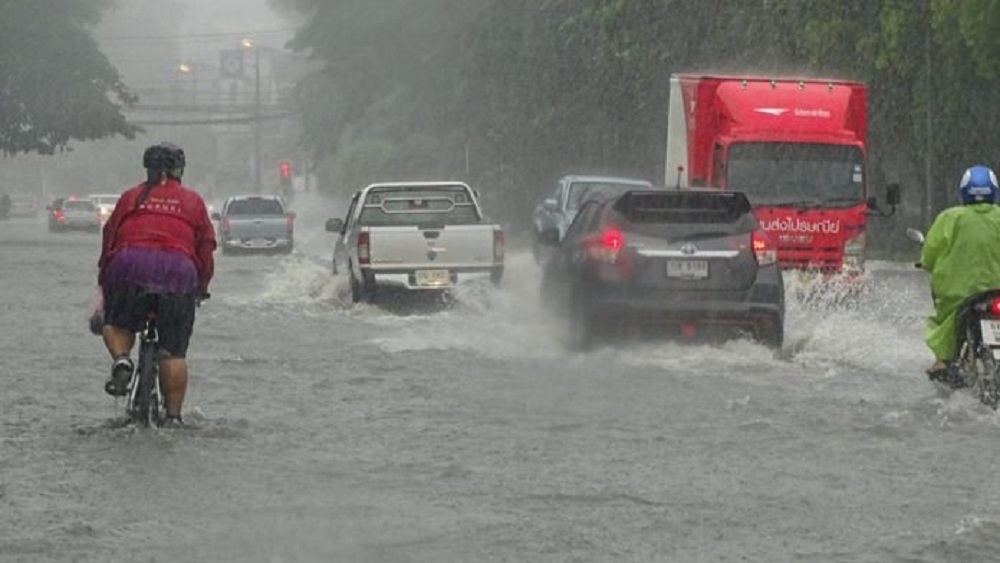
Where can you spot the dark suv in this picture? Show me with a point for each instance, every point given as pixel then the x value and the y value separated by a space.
pixel 692 262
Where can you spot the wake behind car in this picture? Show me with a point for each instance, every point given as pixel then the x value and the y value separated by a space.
pixel 66 214
pixel 255 223
pixel 415 236
pixel 692 262
pixel 557 211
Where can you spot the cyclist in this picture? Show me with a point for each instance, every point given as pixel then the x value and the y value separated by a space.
pixel 157 249
pixel 962 254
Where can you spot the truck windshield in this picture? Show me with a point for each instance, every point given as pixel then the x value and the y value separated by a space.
pixel 418 207
pixel 797 174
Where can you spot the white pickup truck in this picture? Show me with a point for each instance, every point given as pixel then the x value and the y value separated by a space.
pixel 419 236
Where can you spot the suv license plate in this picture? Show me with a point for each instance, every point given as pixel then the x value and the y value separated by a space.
pixel 690 269
pixel 432 277
pixel 991 332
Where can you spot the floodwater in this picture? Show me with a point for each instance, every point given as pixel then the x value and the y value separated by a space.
pixel 322 431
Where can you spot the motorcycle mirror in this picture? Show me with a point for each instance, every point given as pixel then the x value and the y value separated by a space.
pixel 915 235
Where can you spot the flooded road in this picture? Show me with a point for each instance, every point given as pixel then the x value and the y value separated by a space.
pixel 322 431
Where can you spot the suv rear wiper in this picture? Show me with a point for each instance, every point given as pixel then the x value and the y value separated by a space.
pixel 704 235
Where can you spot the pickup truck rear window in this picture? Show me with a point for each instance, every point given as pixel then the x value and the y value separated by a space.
pixel 255 206
pixel 418 207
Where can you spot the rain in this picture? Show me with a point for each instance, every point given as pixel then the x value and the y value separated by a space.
pixel 461 425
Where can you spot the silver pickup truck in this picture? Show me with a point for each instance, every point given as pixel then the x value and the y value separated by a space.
pixel 255 223
pixel 419 236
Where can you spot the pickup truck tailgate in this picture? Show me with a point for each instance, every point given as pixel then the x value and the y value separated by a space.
pixel 451 246
pixel 258 227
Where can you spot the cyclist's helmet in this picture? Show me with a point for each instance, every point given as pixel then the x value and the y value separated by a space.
pixel 177 160
pixel 978 185
pixel 165 157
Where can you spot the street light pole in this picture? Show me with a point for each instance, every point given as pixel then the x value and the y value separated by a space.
pixel 249 44
pixel 256 120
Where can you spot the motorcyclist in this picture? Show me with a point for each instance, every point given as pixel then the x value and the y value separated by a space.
pixel 157 247
pixel 962 254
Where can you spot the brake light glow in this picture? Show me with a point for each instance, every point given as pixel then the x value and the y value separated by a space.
pixel 364 248
pixel 59 215
pixel 995 307
pixel 606 251
pixel 499 245
pixel 763 248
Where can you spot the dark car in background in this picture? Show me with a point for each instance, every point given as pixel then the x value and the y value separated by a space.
pixel 691 263
pixel 23 206
pixel 69 214
pixel 557 210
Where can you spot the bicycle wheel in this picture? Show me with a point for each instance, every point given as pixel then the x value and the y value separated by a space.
pixel 147 395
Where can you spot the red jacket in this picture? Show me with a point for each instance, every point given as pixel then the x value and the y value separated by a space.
pixel 170 217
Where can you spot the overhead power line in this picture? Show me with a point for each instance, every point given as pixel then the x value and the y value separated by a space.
pixel 197 36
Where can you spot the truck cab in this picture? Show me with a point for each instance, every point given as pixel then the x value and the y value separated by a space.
pixel 797 147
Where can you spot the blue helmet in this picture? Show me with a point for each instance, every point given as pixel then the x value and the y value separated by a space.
pixel 978 185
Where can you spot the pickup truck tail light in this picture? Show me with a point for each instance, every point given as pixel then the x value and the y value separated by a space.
pixel 763 248
pixel 499 245
pixel 225 226
pixel 606 250
pixel 364 249
pixel 290 222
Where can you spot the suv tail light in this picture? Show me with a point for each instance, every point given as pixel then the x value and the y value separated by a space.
pixel 225 226
pixel 289 222
pixel 606 251
pixel 364 248
pixel 499 245
pixel 994 307
pixel 763 248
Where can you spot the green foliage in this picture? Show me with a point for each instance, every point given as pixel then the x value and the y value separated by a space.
pixel 533 89
pixel 55 84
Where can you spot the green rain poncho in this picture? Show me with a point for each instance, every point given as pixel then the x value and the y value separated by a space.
pixel 962 253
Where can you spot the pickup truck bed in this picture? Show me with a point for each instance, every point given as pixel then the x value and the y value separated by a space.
pixel 416 236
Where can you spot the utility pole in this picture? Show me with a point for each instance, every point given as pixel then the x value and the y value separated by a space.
pixel 249 44
pixel 256 120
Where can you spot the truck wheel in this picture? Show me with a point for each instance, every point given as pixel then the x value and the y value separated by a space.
pixel 582 328
pixel 361 292
pixel 772 335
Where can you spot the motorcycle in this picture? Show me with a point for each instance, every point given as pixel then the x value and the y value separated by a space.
pixel 977 363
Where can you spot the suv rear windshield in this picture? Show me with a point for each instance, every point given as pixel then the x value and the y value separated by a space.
pixel 674 215
pixel 79 205
pixel 255 206
pixel 418 206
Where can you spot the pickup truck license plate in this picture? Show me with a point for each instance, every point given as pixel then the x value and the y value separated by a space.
pixel 432 277
pixel 991 332
pixel 691 269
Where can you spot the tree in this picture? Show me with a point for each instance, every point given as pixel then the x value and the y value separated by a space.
pixel 55 83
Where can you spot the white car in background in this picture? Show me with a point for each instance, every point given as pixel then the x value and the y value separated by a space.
pixel 105 204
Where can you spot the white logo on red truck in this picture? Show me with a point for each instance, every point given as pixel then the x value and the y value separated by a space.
pixel 793 225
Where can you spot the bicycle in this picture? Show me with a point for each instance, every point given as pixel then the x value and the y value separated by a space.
pixel 144 404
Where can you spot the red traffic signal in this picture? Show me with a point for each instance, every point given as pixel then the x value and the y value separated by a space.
pixel 285 169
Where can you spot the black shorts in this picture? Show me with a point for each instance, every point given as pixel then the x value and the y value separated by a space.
pixel 127 307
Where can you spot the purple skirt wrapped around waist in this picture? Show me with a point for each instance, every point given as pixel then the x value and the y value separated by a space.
pixel 156 270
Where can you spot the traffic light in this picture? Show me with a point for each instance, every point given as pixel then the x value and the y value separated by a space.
pixel 286 173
